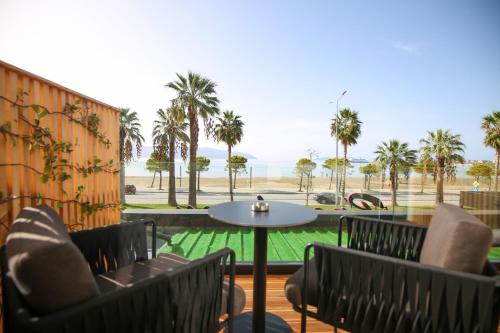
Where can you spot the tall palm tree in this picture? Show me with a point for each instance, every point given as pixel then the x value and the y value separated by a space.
pixel 491 124
pixel 169 133
pixel 197 97
pixel 395 155
pixel 130 137
pixel 229 130
pixel 445 148
pixel 347 128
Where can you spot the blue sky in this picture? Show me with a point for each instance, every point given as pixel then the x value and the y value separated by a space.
pixel 408 66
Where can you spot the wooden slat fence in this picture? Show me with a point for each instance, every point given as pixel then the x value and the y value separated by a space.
pixel 21 180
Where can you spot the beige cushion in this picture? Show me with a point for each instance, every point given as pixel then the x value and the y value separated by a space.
pixel 47 268
pixel 293 286
pixel 127 275
pixel 456 240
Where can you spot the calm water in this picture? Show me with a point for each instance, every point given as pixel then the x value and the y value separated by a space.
pixel 260 168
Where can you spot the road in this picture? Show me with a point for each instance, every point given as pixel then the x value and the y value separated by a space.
pixel 211 197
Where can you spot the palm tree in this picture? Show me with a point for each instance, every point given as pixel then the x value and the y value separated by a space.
pixel 197 97
pixel 169 134
pixel 130 136
pixel 395 155
pixel 491 124
pixel 348 126
pixel 229 130
pixel 445 148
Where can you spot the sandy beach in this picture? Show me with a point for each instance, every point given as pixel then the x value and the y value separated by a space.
pixel 215 190
pixel 319 184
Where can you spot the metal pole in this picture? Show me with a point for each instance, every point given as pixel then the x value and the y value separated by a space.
pixel 337 150
pixel 259 280
pixel 337 156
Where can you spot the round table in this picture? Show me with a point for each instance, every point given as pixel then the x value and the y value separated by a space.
pixel 280 214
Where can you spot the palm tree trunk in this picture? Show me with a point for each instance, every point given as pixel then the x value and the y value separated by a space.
pixel 308 184
pixel 497 166
pixel 369 181
pixel 344 170
pixel 153 182
pixel 193 148
pixel 440 182
pixel 424 175
pixel 394 188
pixel 172 200
pixel 160 180
pixel 300 184
pixel 331 180
pixel 199 172
pixel 382 179
pixel 230 173
pixel 122 183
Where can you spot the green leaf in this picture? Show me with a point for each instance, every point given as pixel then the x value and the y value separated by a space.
pixel 60 204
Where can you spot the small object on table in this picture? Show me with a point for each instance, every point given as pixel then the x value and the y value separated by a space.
pixel 279 215
pixel 260 206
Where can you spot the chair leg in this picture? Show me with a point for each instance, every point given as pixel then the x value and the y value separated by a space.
pixel 334 329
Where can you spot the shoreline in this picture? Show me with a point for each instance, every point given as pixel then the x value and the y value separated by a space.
pixel 319 184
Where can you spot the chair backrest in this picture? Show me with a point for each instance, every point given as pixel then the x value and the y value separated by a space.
pixel 113 246
pixel 394 239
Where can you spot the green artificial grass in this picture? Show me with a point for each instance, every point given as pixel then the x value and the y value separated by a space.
pixel 284 245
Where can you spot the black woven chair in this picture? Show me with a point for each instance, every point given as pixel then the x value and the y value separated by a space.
pixel 375 284
pixel 185 299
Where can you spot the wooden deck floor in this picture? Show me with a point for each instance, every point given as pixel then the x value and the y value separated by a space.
pixel 278 304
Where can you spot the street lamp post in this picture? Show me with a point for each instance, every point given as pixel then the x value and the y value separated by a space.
pixel 337 151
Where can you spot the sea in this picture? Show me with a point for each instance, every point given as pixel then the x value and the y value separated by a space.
pixel 260 168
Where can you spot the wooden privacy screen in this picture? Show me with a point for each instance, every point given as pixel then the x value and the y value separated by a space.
pixel 23 181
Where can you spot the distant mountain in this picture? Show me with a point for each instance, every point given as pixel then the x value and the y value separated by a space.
pixel 202 151
pixel 358 160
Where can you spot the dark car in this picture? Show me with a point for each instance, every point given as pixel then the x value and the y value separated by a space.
pixel 325 198
pixel 130 189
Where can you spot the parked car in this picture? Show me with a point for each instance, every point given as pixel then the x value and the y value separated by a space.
pixel 325 198
pixel 130 189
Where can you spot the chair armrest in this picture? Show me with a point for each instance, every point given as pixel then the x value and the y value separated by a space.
pixel 152 223
pixel 360 291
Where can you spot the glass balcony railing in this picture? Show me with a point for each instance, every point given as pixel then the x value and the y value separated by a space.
pixel 193 234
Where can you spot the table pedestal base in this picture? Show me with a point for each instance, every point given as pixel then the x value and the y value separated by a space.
pixel 274 324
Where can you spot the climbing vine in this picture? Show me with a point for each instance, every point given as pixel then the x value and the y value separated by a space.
pixel 57 164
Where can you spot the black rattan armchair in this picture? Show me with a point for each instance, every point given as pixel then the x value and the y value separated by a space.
pixel 185 299
pixel 375 284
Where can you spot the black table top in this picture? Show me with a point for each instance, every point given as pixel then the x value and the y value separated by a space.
pixel 280 214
